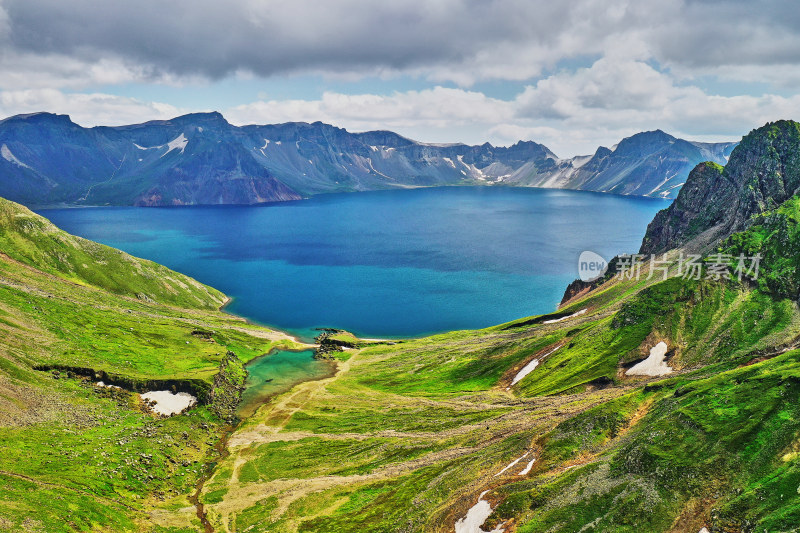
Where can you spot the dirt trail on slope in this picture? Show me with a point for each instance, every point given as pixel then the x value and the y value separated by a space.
pixel 241 496
pixel 269 423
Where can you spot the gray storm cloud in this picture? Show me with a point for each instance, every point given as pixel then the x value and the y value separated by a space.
pixel 214 38
pixel 599 69
pixel 457 40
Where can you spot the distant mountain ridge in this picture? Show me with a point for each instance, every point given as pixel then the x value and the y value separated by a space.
pixel 200 158
pixel 651 163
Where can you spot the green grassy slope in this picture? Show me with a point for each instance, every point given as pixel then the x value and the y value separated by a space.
pixel 407 435
pixel 78 457
pixel 34 241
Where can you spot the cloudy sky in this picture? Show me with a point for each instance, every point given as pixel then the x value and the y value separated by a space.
pixel 572 74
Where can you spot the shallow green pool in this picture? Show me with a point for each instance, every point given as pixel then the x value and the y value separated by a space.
pixel 278 372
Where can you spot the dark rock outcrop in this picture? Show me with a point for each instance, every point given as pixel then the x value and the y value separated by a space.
pixel 196 387
pixel 222 395
pixel 228 387
pixel 579 287
pixel 763 172
pixel 701 206
pixel 327 346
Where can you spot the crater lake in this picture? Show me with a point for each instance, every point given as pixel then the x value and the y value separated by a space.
pixel 393 263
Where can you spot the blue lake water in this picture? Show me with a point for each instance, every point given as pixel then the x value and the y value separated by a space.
pixel 387 263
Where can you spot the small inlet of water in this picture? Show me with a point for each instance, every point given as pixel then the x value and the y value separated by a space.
pixel 278 372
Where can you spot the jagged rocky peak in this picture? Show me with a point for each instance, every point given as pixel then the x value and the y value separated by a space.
pixel 210 116
pixel 210 120
pixel 291 131
pixel 644 143
pixel 700 206
pixel 531 150
pixel 602 152
pixel 762 173
pixel 646 137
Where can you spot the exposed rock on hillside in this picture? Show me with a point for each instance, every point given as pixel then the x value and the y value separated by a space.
pixel 763 172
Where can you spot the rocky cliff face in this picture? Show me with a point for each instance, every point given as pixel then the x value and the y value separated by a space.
pixel 317 158
pixel 763 172
pixel 202 159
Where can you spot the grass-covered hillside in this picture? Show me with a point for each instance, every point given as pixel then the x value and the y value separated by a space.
pixel 34 241
pixel 646 404
pixel 407 436
pixel 77 457
pixel 549 420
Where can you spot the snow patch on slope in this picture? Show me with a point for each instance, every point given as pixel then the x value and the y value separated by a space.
pixel 573 315
pixel 654 365
pixel 666 191
pixel 178 143
pixel 166 403
pixel 530 367
pixel 512 463
pixel 473 171
pixel 664 182
pixel 11 158
pixel 579 160
pixel 476 516
pixel 527 468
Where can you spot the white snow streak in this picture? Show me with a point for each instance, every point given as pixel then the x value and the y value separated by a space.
pixel 475 517
pixel 512 464
pixel 527 468
pixel 527 369
pixel 579 313
pixel 11 158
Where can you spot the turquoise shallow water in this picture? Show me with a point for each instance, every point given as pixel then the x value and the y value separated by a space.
pixel 278 372
pixel 388 263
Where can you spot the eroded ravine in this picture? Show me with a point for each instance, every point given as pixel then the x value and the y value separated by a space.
pixel 220 453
